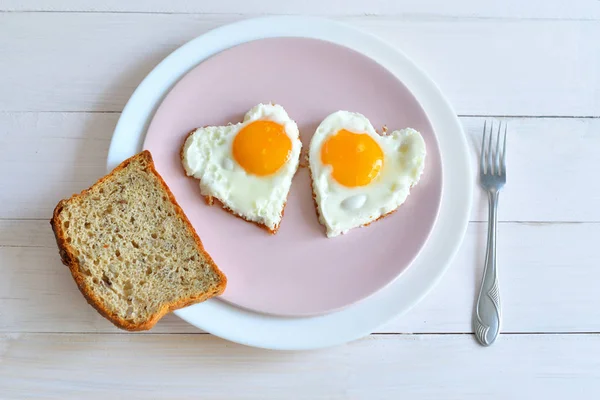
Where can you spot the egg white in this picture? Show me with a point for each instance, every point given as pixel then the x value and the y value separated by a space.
pixel 207 155
pixel 342 208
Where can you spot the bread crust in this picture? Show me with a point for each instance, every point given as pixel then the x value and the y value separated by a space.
pixel 210 200
pixel 70 260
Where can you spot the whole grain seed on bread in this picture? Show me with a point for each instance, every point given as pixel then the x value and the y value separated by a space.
pixel 131 249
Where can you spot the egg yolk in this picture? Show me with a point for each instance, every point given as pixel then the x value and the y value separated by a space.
pixel 262 147
pixel 356 158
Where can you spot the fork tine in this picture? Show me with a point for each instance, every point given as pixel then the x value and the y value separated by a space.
pixel 497 151
pixel 504 152
pixel 482 156
pixel 490 154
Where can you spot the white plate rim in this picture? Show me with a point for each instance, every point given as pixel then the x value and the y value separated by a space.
pixel 285 333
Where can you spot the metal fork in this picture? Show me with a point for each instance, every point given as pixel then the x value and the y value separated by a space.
pixel 492 175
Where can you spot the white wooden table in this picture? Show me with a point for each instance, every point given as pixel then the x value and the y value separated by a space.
pixel 67 68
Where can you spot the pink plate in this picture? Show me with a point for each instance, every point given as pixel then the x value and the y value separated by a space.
pixel 297 272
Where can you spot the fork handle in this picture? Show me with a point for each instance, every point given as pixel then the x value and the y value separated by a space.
pixel 486 321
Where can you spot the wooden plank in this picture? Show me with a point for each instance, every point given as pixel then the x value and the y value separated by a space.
pixel 93 61
pixel 384 367
pixel 48 156
pixel 45 157
pixel 548 166
pixel 543 288
pixel 548 279
pixel 578 9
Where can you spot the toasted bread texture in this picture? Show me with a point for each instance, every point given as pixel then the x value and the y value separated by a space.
pixel 130 248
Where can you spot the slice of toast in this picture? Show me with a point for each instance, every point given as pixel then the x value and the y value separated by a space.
pixel 130 248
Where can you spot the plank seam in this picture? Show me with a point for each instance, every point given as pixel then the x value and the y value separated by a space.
pixel 458 115
pixel 583 333
pixel 425 17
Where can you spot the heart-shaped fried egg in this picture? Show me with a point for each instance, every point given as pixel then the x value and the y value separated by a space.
pixel 247 166
pixel 358 175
